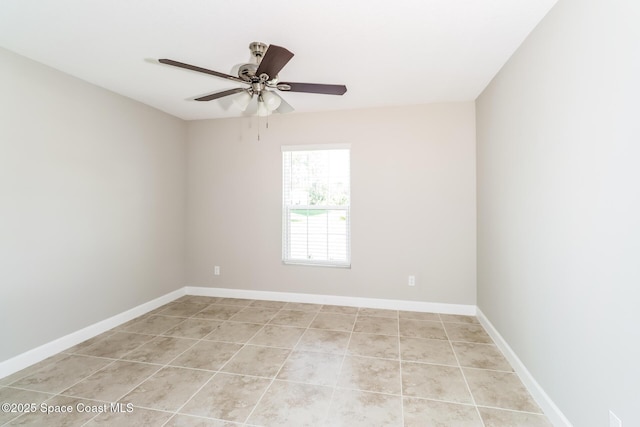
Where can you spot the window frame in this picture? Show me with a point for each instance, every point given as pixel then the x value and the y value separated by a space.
pixel 286 210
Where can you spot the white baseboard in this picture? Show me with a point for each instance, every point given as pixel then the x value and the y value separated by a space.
pixel 469 310
pixel 550 409
pixel 44 351
pixel 40 353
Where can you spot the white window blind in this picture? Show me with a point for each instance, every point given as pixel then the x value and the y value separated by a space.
pixel 316 201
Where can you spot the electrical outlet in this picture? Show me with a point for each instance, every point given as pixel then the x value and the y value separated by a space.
pixel 614 421
pixel 216 270
pixel 412 280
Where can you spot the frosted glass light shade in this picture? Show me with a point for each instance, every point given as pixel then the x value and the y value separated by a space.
pixel 271 100
pixel 263 111
pixel 242 99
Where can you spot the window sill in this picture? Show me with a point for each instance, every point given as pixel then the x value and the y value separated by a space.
pixel 317 264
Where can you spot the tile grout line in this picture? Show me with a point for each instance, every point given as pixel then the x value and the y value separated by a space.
pixel 219 370
pixel 167 364
pixel 512 410
pixel 344 356
pixel 177 411
pixel 112 362
pixel 473 399
pixel 59 394
pixel 401 382
pixel 156 313
pixel 289 381
pixel 246 420
pixel 174 413
pixel 455 366
pixel 263 324
pixel 247 343
pixel 6 423
pixel 160 367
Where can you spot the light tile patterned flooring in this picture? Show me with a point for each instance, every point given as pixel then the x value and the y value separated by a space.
pixel 202 361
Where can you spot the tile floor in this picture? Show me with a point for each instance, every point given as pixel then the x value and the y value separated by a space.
pixel 201 361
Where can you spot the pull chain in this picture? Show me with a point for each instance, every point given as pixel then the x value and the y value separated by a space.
pixel 266 125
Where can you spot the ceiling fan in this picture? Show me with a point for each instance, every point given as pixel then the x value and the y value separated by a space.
pixel 261 77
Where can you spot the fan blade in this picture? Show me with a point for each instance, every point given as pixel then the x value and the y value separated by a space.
pixel 220 94
pixel 312 88
pixel 200 70
pixel 273 61
pixel 284 107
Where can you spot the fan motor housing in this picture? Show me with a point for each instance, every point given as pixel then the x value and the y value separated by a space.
pixel 247 72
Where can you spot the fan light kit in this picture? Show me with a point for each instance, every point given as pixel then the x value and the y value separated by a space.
pixel 261 77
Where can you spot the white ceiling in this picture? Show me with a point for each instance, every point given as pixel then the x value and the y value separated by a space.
pixel 387 53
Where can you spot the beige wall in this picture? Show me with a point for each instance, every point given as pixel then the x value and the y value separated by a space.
pixel 92 204
pixel 413 203
pixel 559 207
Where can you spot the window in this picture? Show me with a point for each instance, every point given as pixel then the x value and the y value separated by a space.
pixel 316 205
